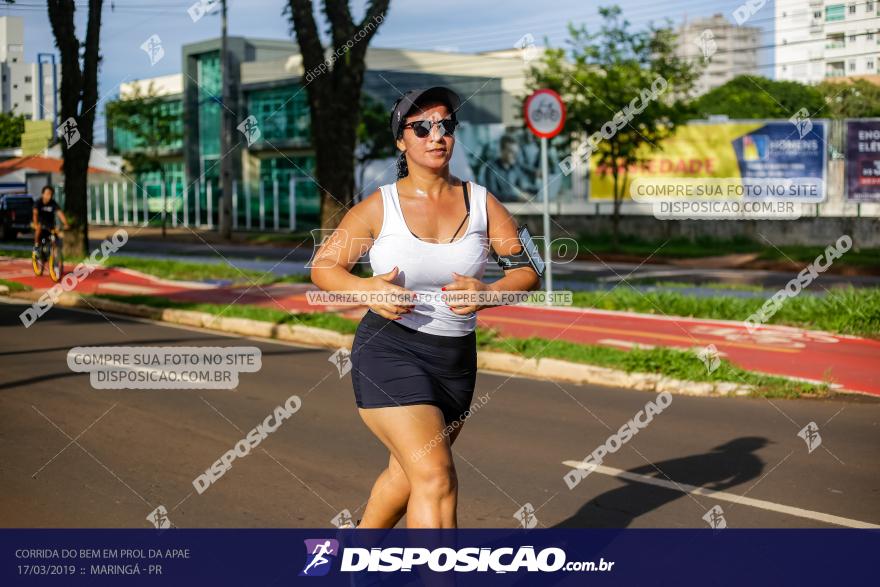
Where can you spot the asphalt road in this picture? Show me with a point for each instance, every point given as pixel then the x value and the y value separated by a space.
pixel 73 456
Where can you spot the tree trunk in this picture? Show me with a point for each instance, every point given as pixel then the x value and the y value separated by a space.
pixel 76 238
pixel 164 201
pixel 79 97
pixel 335 139
pixel 615 212
pixel 225 224
pixel 334 95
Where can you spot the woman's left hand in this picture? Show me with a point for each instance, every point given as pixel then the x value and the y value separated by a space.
pixel 466 285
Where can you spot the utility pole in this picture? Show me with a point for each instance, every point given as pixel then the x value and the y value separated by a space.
pixel 225 135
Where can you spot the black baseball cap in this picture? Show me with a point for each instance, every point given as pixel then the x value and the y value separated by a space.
pixel 405 103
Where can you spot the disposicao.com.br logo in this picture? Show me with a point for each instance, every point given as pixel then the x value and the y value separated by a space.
pixel 321 552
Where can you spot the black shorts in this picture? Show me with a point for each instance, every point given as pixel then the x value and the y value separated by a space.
pixel 394 365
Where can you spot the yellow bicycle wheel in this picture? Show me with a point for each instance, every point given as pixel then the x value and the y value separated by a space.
pixel 56 264
pixel 37 262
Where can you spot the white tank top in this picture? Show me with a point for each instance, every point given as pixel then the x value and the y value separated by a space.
pixel 425 267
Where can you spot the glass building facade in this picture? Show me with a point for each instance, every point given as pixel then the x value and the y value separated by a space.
pixel 267 164
pixel 210 89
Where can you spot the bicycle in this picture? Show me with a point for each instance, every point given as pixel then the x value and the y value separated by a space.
pixel 49 251
pixel 546 111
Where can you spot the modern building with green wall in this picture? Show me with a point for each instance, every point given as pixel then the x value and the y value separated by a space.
pixel 267 83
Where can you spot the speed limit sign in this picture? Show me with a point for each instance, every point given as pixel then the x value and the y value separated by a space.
pixel 545 113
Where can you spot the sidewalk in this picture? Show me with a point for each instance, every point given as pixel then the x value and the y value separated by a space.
pixel 848 361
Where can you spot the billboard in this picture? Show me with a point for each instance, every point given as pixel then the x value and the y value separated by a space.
pixel 507 161
pixel 863 160
pixel 749 152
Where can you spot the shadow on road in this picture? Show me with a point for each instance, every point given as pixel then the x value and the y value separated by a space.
pixel 725 466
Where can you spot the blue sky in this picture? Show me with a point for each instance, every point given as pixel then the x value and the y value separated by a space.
pixel 458 25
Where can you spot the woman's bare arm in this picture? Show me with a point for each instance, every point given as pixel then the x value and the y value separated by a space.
pixel 504 240
pixel 331 265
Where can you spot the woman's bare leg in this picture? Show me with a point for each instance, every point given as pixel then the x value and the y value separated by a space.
pixel 414 435
pixel 388 499
pixel 390 494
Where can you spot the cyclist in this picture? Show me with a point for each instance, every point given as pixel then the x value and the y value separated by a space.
pixel 45 209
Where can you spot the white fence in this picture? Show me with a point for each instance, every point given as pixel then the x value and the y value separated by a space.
pixel 272 208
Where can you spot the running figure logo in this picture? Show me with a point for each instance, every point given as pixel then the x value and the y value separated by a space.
pixel 159 518
pixel 342 359
pixel 154 49
pixel 250 129
pixel 710 357
pixel 526 516
pixel 715 518
pixel 68 131
pixel 320 552
pixel 810 434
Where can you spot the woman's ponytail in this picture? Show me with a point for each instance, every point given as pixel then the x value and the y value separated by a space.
pixel 402 168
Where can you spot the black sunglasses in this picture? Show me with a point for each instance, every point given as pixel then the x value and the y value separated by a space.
pixel 422 128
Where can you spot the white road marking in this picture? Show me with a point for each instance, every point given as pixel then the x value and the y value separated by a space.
pixel 724 496
pixel 627 344
pixel 16 274
pixel 129 288
pixel 683 320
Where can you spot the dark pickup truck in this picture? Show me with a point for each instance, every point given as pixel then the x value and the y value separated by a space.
pixel 16 215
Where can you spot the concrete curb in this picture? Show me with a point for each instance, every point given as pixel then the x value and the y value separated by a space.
pixel 545 368
pixel 581 373
pixel 242 326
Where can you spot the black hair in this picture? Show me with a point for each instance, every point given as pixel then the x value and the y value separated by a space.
pixel 402 167
pixel 508 140
pixel 47 187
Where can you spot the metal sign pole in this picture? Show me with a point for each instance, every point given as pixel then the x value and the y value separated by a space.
pixel 549 270
pixel 544 113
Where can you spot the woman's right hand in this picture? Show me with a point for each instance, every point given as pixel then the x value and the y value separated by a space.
pixel 389 308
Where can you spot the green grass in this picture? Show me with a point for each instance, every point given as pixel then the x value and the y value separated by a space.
pixel 842 310
pixel 672 363
pixel 190 271
pixel 14 286
pixel 805 255
pixel 275 316
pixel 15 253
pixel 718 286
pixel 680 248
pixel 182 270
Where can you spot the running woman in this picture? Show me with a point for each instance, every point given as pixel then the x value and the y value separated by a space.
pixel 414 365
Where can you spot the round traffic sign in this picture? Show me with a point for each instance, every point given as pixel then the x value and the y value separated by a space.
pixel 545 113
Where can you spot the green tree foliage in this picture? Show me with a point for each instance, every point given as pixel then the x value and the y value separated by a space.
pixel 11 129
pixel 374 139
pixel 155 128
pixel 602 74
pixel 859 99
pixel 749 96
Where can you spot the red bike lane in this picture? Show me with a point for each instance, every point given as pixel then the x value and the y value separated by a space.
pixel 850 362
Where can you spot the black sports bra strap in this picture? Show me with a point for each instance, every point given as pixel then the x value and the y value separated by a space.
pixel 467 205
